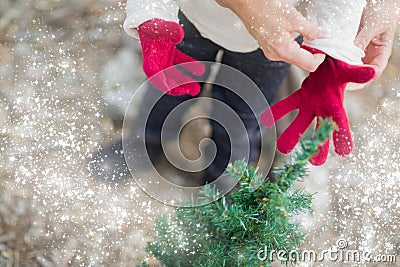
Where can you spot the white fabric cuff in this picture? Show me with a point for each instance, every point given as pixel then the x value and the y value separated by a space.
pixel 145 10
pixel 339 49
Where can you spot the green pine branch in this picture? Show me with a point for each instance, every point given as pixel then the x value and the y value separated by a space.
pixel 259 215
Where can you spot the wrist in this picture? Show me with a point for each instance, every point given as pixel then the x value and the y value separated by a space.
pixel 231 4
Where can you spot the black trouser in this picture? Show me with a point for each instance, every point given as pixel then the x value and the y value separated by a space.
pixel 266 74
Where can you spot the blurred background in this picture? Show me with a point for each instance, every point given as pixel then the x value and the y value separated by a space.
pixel 67 72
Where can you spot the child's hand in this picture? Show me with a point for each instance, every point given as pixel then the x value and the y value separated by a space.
pixel 158 39
pixel 321 94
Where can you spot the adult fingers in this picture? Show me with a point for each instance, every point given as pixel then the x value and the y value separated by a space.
pixel 382 33
pixel 379 50
pixel 380 62
pixel 292 53
pixel 364 37
pixel 306 28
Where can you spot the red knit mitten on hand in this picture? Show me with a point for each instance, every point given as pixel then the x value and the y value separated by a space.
pixel 321 94
pixel 158 39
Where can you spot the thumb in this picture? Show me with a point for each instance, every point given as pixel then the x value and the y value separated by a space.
pixel 364 37
pixel 308 29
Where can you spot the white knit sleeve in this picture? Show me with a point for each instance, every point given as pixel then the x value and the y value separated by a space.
pixel 139 11
pixel 342 19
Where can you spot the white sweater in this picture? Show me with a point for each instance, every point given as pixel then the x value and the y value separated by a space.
pixel 223 27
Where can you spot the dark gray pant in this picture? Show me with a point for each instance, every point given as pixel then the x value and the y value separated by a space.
pixel 266 74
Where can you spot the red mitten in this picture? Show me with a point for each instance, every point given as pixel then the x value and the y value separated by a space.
pixel 321 94
pixel 158 39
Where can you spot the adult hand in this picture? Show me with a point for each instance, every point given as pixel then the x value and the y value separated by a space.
pixel 271 23
pixel 376 34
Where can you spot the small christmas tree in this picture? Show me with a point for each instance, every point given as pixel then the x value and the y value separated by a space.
pixel 258 216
